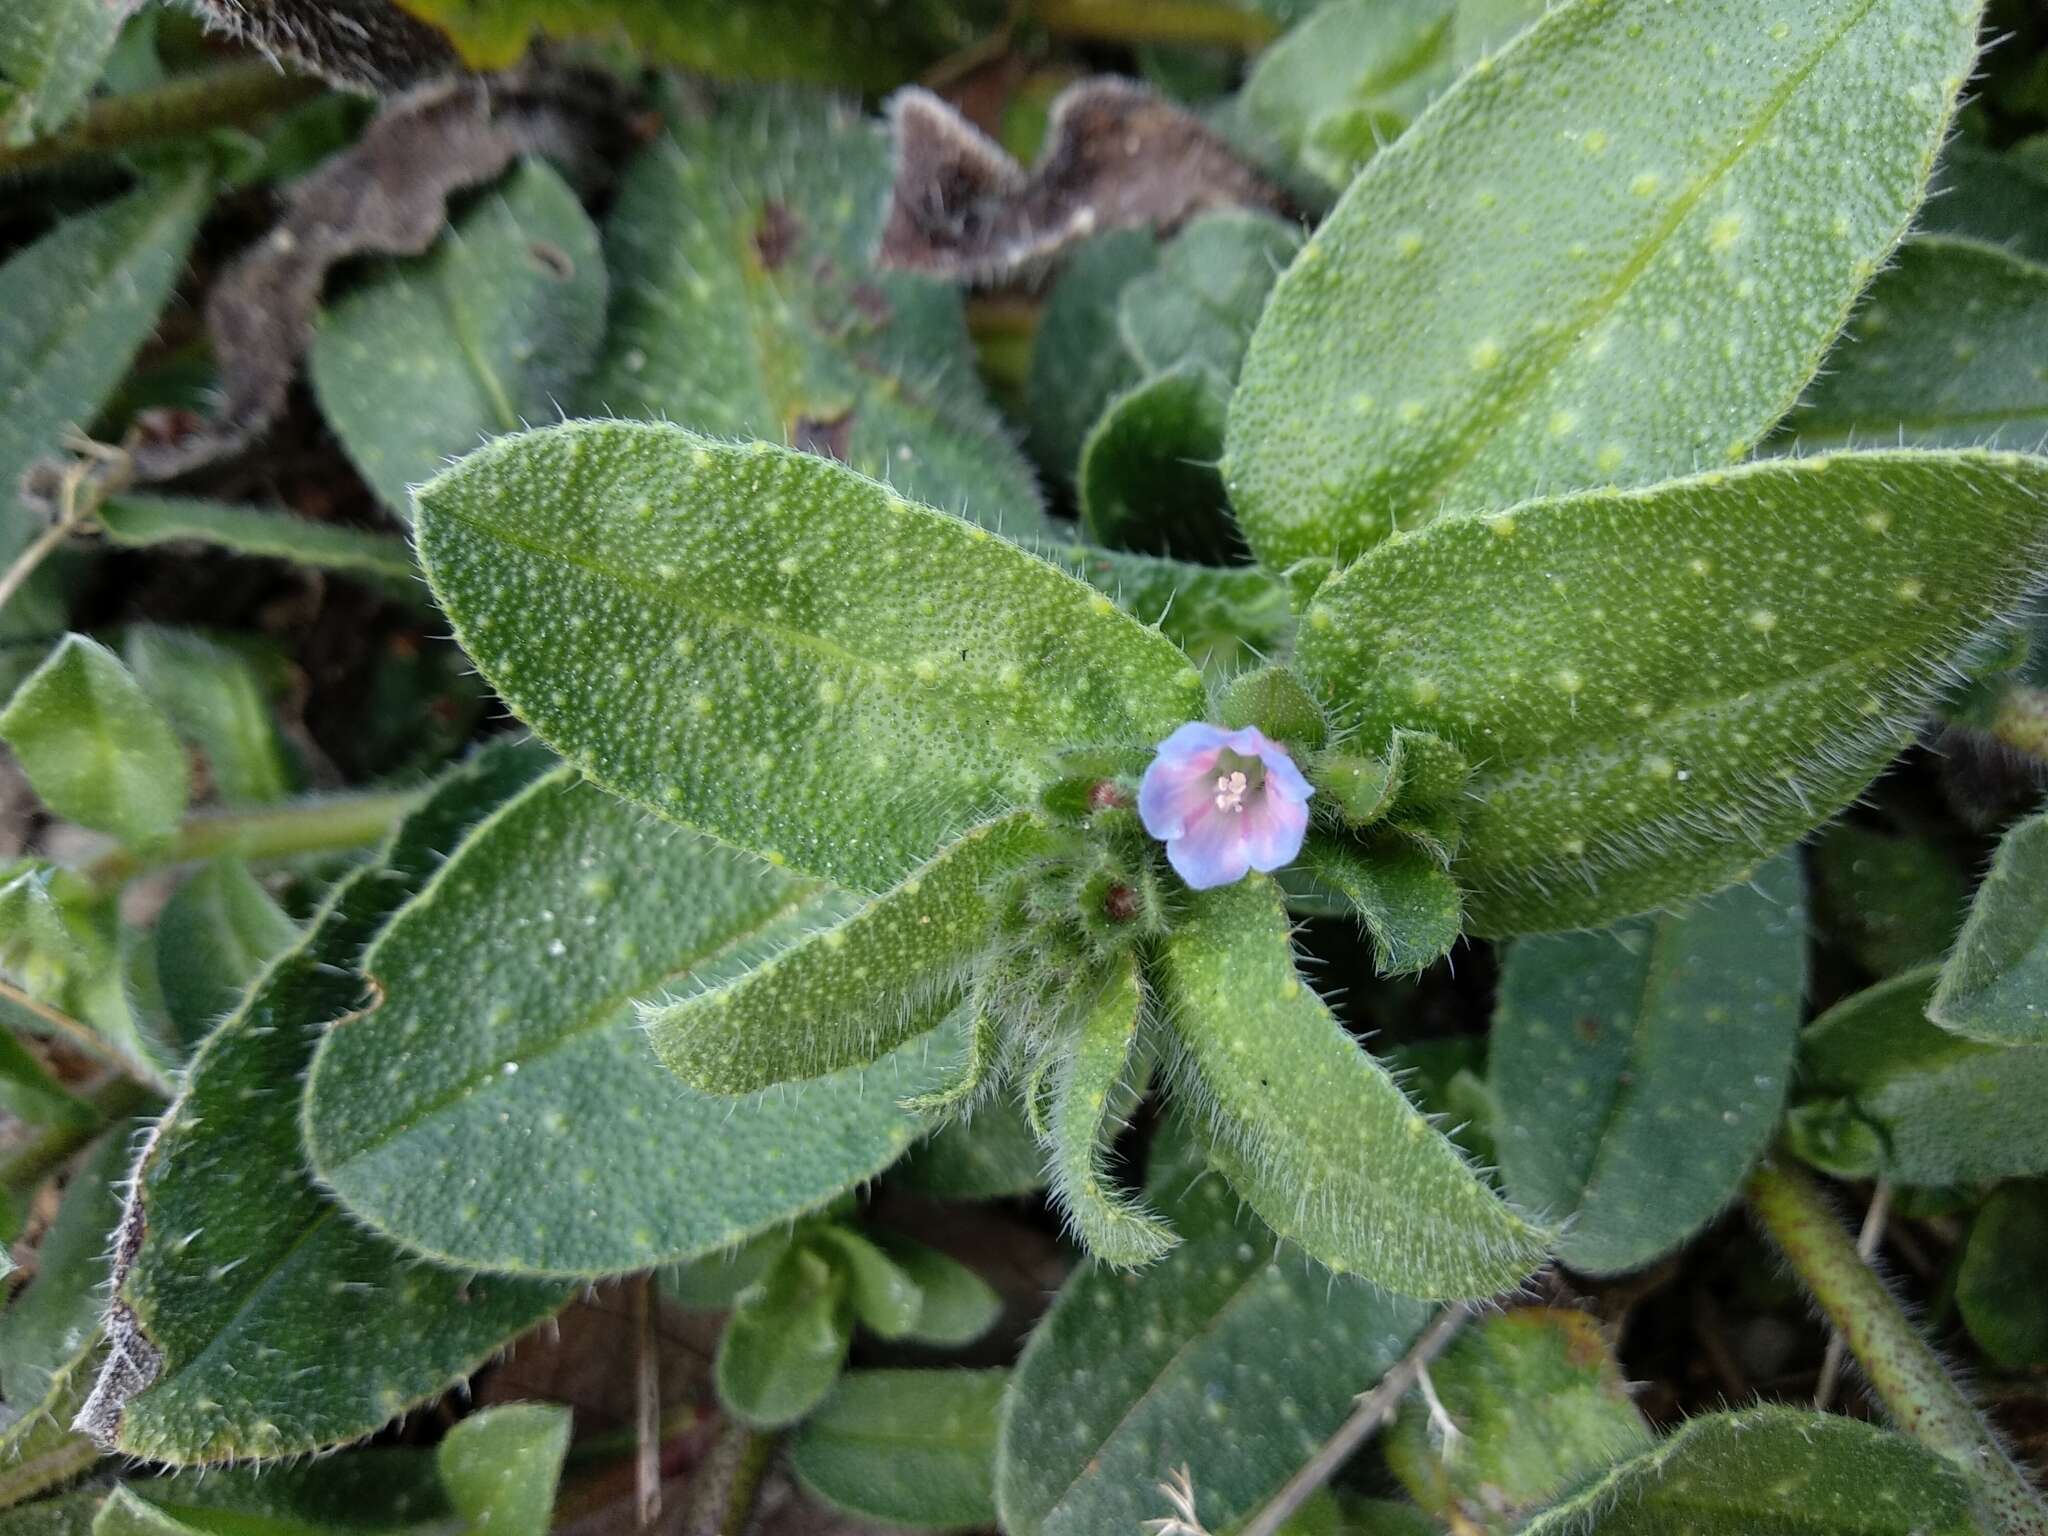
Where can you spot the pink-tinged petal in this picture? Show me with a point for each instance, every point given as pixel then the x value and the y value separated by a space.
pixel 1213 852
pixel 1190 741
pixel 1282 775
pixel 1273 830
pixel 1173 794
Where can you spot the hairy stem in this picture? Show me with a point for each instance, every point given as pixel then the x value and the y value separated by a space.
pixel 224 97
pixel 1215 22
pixel 331 824
pixel 1373 1410
pixel 1916 1390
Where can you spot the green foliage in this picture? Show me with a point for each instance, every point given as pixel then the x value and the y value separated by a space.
pixel 1407 902
pixel 1884 1090
pixel 377 1492
pixel 30 1094
pixel 847 994
pixel 500 1467
pixel 1996 196
pixel 50 55
pixel 786 1341
pixel 1641 1069
pixel 217 932
pixel 913 1448
pixel 1998 1287
pixel 490 331
pixel 1656 690
pixel 775 650
pixel 501 1069
pixel 144 522
pixel 955 1305
pixel 1148 469
pixel 746 305
pixel 95 747
pixel 1132 1375
pixel 1197 306
pixel 1538 1403
pixel 231 1244
pixel 217 701
pixel 989 1155
pixel 1224 617
pixel 1894 901
pixel 1614 252
pixel 1770 1472
pixel 1991 988
pixel 1309 1129
pixel 1078 360
pixel 1943 352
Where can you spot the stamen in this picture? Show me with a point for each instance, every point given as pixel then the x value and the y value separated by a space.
pixel 1230 791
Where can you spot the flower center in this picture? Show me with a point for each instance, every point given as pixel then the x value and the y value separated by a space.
pixel 1237 778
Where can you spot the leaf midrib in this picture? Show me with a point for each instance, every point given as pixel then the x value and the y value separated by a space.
pixel 1544 362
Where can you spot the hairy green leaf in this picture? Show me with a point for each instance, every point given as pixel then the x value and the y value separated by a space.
pixel 1091 1084
pixel 1661 687
pixel 1770 1472
pixel 1998 196
pixel 1933 1107
pixel 1309 1128
pixel 368 1492
pixel 490 331
pixel 30 1094
pixel 913 1448
pixel 1641 1069
pixel 218 930
pixel 500 1467
pixel 498 1107
pixel 1198 305
pixel 1539 1404
pixel 1078 359
pixel 216 700
pixel 1998 1287
pixel 1994 986
pixel 1224 617
pixel 846 994
pixel 51 52
pixel 990 1155
pixel 885 1299
pixel 1133 1374
pixel 142 522
pixel 773 649
pixel 955 1305
pixel 786 1340
pixel 68 1514
pixel 1410 906
pixel 95 748
pixel 251 1317
pixel 1148 478
pixel 746 306
pixel 1945 351
pixel 1896 902
pixel 75 308
pixel 1613 252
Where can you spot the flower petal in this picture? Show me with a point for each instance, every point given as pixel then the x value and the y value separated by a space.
pixel 1213 852
pixel 1175 792
pixel 1273 830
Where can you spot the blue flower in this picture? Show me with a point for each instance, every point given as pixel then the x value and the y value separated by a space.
pixel 1223 802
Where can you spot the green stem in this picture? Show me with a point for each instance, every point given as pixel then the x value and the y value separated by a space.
pixel 330 825
pixel 115 1097
pixel 1216 22
pixel 226 97
pixel 1919 1394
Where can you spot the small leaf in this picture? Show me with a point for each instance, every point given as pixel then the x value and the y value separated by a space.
pixel 1197 306
pixel 1992 987
pixel 382 1491
pixel 143 522
pixel 1997 1283
pixel 885 1299
pixel 51 52
pixel 1941 354
pixel 914 1448
pixel 228 1243
pixel 1539 1404
pixel 1348 79
pixel 990 1155
pixel 956 1306
pixel 530 1128
pixel 1079 361
pixel 1640 1070
pixel 215 700
pixel 500 1467
pixel 94 747
pixel 1148 479
pixel 1661 687
pixel 785 1343
pixel 217 932
pixel 491 330
pixel 1937 1108
pixel 747 306
pixel 846 994
pixel 1224 617
pixel 716 1281
pixel 1310 1129
pixel 775 650
pixel 1616 252
pixel 68 1514
pixel 1896 902
pixel 75 308
pixel 31 1095
pixel 1120 1382
pixel 1770 1472
pixel 1409 905
pixel 1999 197
pixel 1091 1084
